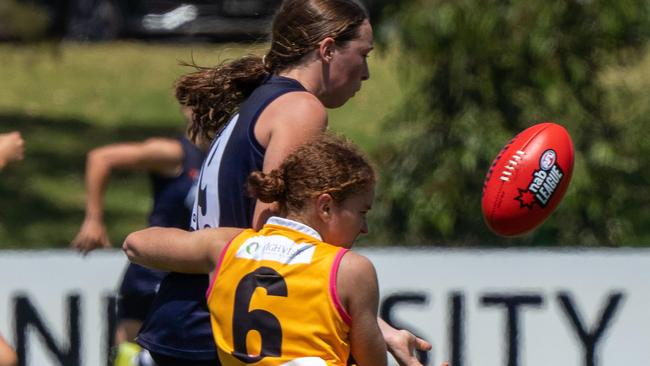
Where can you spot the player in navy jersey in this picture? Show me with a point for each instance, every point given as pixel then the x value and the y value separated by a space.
pixel 256 110
pixel 173 165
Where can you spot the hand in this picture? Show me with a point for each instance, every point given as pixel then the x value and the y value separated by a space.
pixel 91 236
pixel 12 148
pixel 402 344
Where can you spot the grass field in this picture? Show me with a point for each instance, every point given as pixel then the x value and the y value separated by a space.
pixel 69 98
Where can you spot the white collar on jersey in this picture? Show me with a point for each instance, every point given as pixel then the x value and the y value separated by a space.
pixel 295 225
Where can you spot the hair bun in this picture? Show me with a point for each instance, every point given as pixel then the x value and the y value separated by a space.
pixel 266 187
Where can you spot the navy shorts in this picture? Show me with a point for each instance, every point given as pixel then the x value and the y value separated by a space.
pixel 137 291
pixel 172 361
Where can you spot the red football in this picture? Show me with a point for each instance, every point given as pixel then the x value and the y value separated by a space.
pixel 528 179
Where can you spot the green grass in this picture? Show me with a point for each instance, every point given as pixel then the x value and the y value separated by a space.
pixel 69 98
pixel 111 84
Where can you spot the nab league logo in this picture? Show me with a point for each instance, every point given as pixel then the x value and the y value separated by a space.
pixel 544 182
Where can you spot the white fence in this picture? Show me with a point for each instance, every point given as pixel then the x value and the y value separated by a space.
pixel 478 308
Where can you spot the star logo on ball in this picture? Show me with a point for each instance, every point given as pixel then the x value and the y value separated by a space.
pixel 526 198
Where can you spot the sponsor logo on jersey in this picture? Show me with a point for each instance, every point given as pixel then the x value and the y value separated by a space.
pixel 276 248
pixel 544 182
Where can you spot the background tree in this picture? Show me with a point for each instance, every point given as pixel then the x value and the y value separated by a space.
pixel 22 21
pixel 483 70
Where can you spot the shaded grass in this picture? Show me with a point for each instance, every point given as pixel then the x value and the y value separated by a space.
pixel 42 198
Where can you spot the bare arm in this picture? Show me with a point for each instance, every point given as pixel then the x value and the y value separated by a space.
pixel 357 287
pixel 402 344
pixel 157 155
pixel 285 124
pixel 177 250
pixel 12 148
pixel 7 354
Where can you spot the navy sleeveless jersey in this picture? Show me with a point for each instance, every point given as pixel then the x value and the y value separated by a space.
pixel 179 323
pixel 173 198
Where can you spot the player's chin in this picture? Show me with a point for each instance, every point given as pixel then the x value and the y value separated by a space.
pixel 337 103
pixel 354 92
pixel 342 98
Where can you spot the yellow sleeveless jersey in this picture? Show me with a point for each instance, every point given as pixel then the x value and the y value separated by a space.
pixel 273 299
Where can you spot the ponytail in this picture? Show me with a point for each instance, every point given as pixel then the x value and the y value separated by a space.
pixel 215 93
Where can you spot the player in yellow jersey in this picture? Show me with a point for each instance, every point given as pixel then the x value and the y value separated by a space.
pixel 292 293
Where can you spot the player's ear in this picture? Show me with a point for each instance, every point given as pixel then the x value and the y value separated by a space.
pixel 326 49
pixel 324 204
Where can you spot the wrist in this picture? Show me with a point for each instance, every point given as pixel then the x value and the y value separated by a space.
pixel 94 219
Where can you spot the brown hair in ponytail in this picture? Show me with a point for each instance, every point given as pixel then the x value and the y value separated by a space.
pixel 215 93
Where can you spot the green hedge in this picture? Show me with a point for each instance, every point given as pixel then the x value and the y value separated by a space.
pixel 487 69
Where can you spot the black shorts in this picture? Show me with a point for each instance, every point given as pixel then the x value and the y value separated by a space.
pixel 137 291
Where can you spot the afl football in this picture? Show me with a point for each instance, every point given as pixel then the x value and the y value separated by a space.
pixel 527 179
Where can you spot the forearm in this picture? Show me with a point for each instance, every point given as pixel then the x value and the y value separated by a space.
pixel 98 172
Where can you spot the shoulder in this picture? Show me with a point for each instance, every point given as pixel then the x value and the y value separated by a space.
pixel 215 240
pixel 291 119
pixel 357 269
pixel 223 234
pixel 356 283
pixel 297 107
pixel 300 100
